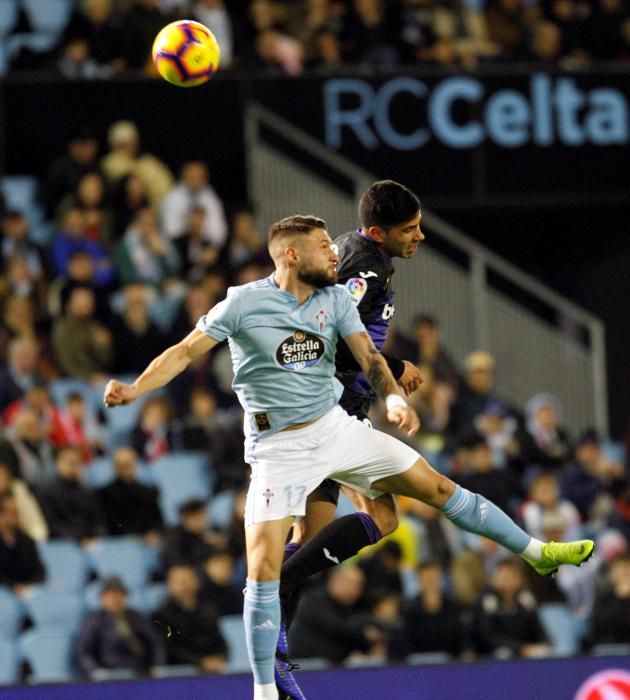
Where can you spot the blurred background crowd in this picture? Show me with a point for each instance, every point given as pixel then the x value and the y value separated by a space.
pixel 106 38
pixel 124 528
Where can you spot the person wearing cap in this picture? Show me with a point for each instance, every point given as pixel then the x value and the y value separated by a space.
pixel 474 393
pixel 125 158
pixel 117 637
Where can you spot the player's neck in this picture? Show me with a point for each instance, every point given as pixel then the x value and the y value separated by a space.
pixel 287 281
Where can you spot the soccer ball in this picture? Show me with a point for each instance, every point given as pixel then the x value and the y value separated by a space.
pixel 186 53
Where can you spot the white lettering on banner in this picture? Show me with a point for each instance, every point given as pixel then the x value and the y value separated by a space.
pixel 556 110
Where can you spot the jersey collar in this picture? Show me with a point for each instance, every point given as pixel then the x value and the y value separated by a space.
pixel 361 235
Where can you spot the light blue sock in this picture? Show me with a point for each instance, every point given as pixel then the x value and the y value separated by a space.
pixel 474 513
pixel 261 615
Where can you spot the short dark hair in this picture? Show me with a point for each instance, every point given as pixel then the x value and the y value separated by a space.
pixel 298 223
pixel 425 320
pixel 192 506
pixel 387 203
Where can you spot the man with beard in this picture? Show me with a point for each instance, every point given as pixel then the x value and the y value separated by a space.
pixel 283 333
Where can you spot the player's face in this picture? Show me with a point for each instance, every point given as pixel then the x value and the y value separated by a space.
pixel 402 240
pixel 317 259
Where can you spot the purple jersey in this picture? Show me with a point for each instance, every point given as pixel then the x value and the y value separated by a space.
pixel 366 273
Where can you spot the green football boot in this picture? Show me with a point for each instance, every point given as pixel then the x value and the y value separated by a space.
pixel 554 554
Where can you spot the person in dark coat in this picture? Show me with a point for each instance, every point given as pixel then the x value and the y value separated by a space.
pixel 117 637
pixel 610 620
pixel 20 565
pixel 192 632
pixel 130 508
pixel 71 509
pixel 190 542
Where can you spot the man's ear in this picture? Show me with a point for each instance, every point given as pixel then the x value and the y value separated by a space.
pixel 291 254
pixel 377 234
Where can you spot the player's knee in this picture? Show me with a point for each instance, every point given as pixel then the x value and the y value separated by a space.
pixel 443 490
pixel 262 568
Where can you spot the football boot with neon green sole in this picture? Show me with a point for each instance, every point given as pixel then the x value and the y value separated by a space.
pixel 554 554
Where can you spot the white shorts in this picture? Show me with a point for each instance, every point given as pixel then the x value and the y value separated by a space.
pixel 288 465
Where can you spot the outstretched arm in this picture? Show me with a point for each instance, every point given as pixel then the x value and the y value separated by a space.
pixel 375 368
pixel 161 370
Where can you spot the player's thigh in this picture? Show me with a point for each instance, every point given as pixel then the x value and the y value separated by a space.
pixel 320 511
pixel 421 482
pixel 382 509
pixel 264 543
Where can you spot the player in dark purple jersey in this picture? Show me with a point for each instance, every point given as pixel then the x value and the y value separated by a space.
pixel 390 227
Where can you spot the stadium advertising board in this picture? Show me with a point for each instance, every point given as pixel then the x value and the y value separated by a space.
pixel 553 679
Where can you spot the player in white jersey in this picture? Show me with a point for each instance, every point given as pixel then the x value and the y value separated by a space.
pixel 282 333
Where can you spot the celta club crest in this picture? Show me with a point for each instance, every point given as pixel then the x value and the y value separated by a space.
pixel 321 319
pixel 268 494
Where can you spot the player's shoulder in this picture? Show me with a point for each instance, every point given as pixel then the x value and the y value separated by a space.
pixel 249 288
pixel 359 257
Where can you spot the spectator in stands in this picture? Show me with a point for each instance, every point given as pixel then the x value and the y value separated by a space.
pixel 245 244
pixel 545 44
pixel 432 404
pixel 34 452
pixel 71 509
pixel 327 624
pixel 140 24
pixel 620 517
pixel 217 583
pixel 194 636
pixel 506 621
pixel 126 158
pixel 432 621
pixel 137 336
pixel 37 399
pixel 479 473
pixel 76 63
pixel 129 196
pixel 97 23
pixel 82 345
pixel 129 507
pixel 382 568
pixel 81 157
pixel 79 426
pixel 153 437
pixel 19 321
pixel 194 191
pixel 509 27
pixel 218 433
pixel 566 16
pixel 500 429
pixel 544 498
pixel 89 197
pixel 544 443
pixel 20 372
pixel 8 455
pixel 417 30
pixel 195 252
pixel 190 542
pixel 32 520
pixel 610 621
pixel 72 238
pixel 15 240
pixel 214 15
pixel 590 475
pixel 117 637
pixel 430 350
pixel 19 279
pixel 468 578
pixel 20 565
pixel 474 393
pixel 369 33
pixel 80 273
pixel 145 255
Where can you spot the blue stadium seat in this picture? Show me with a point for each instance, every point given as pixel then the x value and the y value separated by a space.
pixel 99 472
pixel 8 16
pixel 561 627
pixel 175 671
pixel 154 595
pixel 92 597
pixel 221 507
pixel 180 477
pixel 48 16
pixel 122 420
pixel 48 654
pixel 11 614
pixel 9 662
pixel 57 611
pixel 20 191
pixel 121 556
pixel 66 565
pixel 231 627
pixel 61 388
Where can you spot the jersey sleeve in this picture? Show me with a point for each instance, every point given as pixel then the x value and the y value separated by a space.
pixel 348 319
pixel 223 319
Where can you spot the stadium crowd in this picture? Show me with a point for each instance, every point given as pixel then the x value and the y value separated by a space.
pixel 105 38
pixel 133 258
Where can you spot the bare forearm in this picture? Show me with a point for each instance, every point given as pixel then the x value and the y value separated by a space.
pixel 162 369
pixel 380 376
